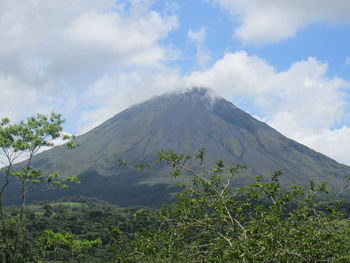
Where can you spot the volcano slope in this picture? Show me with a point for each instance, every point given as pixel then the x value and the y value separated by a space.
pixel 181 122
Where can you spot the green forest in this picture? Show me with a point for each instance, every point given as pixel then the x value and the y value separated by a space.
pixel 210 220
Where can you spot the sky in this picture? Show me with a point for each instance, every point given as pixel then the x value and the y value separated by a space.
pixel 285 62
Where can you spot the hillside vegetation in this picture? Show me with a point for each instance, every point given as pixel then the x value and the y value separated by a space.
pixel 210 220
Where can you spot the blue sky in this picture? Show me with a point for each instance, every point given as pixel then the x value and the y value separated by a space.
pixel 285 62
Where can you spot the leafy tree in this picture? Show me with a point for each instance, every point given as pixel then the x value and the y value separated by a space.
pixel 64 246
pixel 259 222
pixel 24 140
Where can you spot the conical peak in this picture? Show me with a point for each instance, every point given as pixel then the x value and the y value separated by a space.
pixel 182 121
pixel 200 91
pixel 199 94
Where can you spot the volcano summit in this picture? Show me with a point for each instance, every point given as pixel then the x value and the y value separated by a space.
pixel 181 122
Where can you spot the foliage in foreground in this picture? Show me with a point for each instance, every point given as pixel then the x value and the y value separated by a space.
pixel 210 221
pixel 24 140
pixel 260 222
pixel 55 231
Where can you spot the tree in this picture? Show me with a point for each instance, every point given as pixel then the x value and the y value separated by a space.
pixel 213 222
pixel 64 246
pixel 24 140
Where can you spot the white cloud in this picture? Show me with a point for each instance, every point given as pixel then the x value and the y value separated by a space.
pixel 202 52
pixel 334 143
pixel 123 90
pixel 267 21
pixel 52 50
pixel 133 39
pixel 36 22
pixel 197 36
pixel 15 96
pixel 347 61
pixel 302 102
pixel 235 73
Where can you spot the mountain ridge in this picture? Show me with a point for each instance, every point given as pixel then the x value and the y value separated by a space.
pixel 181 122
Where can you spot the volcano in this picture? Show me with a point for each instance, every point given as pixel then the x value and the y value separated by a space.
pixel 181 122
